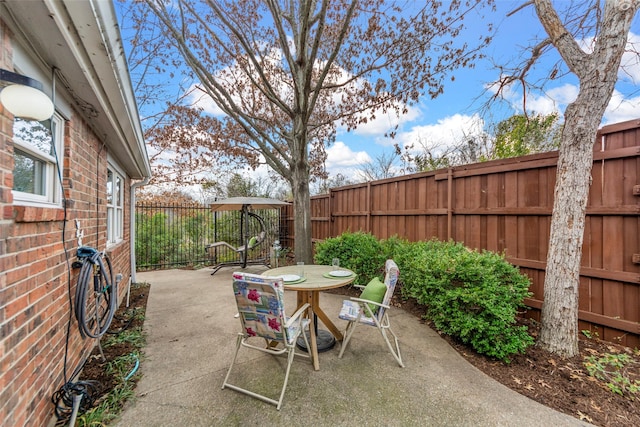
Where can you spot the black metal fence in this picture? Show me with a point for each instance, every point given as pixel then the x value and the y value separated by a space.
pixel 178 235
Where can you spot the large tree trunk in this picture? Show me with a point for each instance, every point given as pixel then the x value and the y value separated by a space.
pixel 598 72
pixel 299 181
pixel 302 216
pixel 560 308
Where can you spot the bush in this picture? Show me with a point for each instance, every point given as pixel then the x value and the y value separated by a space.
pixel 471 295
pixel 359 252
pixel 393 246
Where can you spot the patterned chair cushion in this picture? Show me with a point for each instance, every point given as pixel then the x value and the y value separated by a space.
pixel 294 329
pixel 261 309
pixel 350 310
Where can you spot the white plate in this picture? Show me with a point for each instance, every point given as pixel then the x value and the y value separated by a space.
pixel 339 273
pixel 290 277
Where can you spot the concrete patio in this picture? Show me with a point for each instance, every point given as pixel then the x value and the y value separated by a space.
pixel 191 334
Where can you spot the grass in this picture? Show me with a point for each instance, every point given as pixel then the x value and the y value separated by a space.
pixel 134 338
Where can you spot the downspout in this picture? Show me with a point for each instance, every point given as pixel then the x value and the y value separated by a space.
pixel 132 226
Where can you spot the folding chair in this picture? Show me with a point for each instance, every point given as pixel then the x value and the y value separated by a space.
pixel 260 301
pixel 372 313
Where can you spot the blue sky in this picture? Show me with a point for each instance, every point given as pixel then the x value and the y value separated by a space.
pixel 440 121
pixel 437 123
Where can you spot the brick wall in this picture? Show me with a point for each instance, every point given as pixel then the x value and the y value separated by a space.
pixel 36 280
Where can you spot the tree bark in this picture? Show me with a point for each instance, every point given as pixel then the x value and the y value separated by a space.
pixel 303 249
pixel 560 308
pixel 597 72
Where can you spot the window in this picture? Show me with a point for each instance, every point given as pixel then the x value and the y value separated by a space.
pixel 37 147
pixel 115 202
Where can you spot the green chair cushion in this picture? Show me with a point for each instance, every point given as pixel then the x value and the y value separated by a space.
pixel 253 241
pixel 374 291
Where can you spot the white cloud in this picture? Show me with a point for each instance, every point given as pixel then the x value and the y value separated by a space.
pixel 377 127
pixel 341 159
pixel 538 105
pixel 553 100
pixel 339 155
pixel 621 109
pixel 386 122
pixel 557 98
pixel 200 99
pixel 447 132
pixel 564 94
pixel 630 64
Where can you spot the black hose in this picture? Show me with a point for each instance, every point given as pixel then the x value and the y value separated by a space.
pixel 96 295
pixel 63 398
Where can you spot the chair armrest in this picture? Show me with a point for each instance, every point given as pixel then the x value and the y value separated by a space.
pixel 216 244
pixel 366 306
pixel 294 318
pixel 369 302
pixel 359 286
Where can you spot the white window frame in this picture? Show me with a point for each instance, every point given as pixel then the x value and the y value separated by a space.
pixel 115 204
pixel 52 197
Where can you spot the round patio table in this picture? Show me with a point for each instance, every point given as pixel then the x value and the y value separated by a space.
pixel 316 278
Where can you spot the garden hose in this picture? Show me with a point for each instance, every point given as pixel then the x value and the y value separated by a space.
pixel 135 368
pixel 75 397
pixel 96 294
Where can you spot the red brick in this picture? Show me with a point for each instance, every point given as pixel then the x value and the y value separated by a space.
pixel 8 180
pixel 37 267
pixel 7 212
pixel 16 306
pixel 37 294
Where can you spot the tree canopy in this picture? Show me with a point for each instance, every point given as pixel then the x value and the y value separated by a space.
pixel 283 75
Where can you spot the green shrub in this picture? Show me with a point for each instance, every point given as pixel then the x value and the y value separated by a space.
pixel 473 296
pixel 470 295
pixel 392 246
pixel 360 252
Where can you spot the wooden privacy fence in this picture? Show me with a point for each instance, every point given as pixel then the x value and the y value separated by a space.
pixel 506 206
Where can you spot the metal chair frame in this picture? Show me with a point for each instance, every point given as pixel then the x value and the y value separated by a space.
pixel 366 316
pixel 261 312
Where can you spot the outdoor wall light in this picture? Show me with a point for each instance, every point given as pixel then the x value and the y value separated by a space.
pixel 22 96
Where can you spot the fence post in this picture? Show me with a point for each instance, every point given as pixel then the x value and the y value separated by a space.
pixel 332 219
pixel 369 201
pixel 450 204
